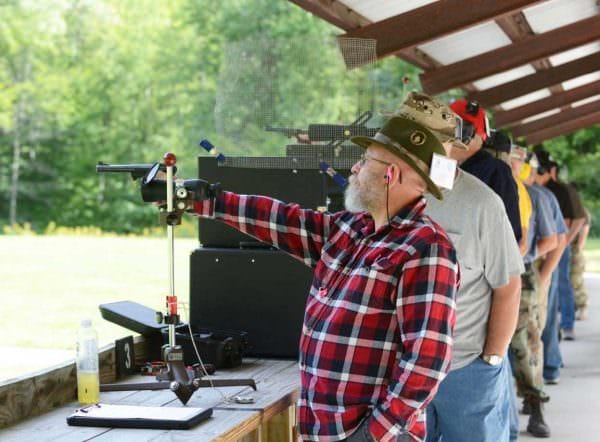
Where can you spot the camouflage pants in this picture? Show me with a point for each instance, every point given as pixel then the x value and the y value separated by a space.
pixel 542 295
pixel 577 269
pixel 526 344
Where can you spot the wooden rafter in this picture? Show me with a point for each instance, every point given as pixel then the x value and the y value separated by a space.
pixel 511 56
pixel 510 117
pixel 539 80
pixel 556 119
pixel 563 129
pixel 327 13
pixel 433 21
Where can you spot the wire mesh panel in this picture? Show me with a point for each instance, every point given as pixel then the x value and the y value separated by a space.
pixel 311 95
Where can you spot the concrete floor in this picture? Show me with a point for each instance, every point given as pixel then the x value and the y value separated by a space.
pixel 573 412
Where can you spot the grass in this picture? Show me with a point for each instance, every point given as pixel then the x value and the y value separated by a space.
pixel 49 283
pixel 592 255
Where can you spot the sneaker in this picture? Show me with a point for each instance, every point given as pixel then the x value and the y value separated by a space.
pixel 568 334
pixel 552 381
pixel 582 314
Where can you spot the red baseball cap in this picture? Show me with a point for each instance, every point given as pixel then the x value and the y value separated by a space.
pixel 472 112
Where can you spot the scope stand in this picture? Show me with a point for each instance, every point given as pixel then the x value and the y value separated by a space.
pixel 176 377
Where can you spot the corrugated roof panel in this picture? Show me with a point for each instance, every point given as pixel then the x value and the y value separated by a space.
pixel 524 99
pixel 574 54
pixel 553 14
pixel 580 81
pixel 466 43
pixel 377 10
pixel 540 116
pixel 504 77
pixel 586 100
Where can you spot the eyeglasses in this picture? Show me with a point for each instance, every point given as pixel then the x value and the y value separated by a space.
pixel 364 158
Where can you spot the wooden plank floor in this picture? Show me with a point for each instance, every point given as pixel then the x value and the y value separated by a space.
pixel 277 383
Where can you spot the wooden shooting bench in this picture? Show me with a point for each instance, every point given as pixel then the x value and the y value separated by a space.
pixel 36 407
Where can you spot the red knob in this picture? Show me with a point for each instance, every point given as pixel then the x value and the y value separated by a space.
pixel 169 159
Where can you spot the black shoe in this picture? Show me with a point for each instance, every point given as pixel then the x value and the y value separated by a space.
pixel 568 334
pixel 526 407
pixel 536 426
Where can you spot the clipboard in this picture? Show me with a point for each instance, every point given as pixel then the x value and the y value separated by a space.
pixel 136 416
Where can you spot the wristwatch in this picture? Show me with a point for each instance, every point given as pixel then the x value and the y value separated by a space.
pixel 493 360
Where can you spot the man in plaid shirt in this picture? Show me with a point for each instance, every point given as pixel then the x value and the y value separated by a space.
pixel 377 335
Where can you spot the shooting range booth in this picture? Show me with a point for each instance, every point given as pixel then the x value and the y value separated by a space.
pixel 544 87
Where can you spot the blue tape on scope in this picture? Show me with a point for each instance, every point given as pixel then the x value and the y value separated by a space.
pixel 208 146
pixel 340 180
pixel 337 178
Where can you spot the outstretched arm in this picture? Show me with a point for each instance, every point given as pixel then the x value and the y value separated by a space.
pixel 300 232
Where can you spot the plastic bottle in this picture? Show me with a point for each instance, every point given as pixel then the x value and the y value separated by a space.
pixel 88 377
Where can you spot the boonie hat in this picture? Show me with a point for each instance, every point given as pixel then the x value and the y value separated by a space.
pixel 433 114
pixel 412 142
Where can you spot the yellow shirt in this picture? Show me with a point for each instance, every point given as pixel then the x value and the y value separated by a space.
pixel 525 207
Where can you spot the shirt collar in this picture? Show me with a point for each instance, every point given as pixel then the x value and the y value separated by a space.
pixel 480 155
pixel 410 213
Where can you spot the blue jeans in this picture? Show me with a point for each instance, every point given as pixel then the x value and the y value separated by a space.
pixel 471 405
pixel 552 356
pixel 566 297
pixel 514 405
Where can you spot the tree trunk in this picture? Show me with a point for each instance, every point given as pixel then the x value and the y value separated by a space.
pixel 16 157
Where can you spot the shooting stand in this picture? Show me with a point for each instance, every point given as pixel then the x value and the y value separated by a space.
pixel 179 379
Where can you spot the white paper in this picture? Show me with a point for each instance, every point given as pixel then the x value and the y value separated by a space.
pixel 443 170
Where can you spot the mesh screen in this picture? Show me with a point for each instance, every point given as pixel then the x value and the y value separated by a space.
pixel 300 100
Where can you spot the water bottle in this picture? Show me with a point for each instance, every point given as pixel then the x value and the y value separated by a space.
pixel 88 377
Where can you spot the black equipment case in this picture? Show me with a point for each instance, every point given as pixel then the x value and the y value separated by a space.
pixel 260 291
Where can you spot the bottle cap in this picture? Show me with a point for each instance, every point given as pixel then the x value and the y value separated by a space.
pixel 86 322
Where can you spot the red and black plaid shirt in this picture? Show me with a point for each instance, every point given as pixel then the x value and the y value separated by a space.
pixel 377 334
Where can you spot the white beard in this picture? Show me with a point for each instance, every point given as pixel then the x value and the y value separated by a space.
pixel 352 199
pixel 360 197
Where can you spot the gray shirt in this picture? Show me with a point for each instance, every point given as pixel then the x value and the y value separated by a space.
pixel 488 255
pixel 561 227
pixel 541 224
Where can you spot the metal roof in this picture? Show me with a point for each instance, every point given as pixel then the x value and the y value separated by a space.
pixel 535 64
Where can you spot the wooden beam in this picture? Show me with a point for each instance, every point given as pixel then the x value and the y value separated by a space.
pixel 325 13
pixel 556 119
pixel 563 129
pixel 510 117
pixel 511 56
pixel 539 80
pixel 433 21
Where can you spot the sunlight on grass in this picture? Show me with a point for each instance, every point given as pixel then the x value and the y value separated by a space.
pixel 592 255
pixel 50 283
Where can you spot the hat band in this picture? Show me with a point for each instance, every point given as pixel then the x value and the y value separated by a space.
pixel 384 139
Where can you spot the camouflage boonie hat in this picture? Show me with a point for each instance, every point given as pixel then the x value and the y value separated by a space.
pixel 433 114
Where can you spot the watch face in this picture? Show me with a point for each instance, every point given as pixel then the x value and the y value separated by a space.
pixel 493 359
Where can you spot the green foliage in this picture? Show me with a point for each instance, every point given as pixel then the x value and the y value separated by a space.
pixel 124 81
pixel 579 156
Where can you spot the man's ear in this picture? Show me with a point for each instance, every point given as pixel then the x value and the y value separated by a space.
pixel 389 173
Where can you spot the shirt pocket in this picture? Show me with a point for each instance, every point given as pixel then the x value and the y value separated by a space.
pixel 380 282
pixel 469 263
